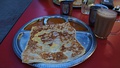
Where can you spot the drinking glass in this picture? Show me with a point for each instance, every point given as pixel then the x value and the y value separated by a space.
pixel 105 19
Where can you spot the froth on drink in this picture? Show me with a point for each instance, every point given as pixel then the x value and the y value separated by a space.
pixel 104 22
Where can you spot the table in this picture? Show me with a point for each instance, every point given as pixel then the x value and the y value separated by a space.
pixel 106 54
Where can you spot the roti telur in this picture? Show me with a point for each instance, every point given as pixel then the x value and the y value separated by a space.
pixel 54 43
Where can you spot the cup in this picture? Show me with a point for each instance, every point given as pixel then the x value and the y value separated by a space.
pixel 66 7
pixel 85 7
pixel 104 22
pixel 93 11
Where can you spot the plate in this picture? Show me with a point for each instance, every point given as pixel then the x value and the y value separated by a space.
pixel 58 3
pixel 84 36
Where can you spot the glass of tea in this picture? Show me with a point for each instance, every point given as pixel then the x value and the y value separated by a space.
pixel 105 19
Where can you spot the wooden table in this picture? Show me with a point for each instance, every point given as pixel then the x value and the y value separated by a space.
pixel 106 55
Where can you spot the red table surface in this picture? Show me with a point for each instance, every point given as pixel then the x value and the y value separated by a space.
pixel 106 55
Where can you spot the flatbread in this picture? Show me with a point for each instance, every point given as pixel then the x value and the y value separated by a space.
pixel 54 43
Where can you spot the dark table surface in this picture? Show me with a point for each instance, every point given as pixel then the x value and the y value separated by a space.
pixel 106 55
pixel 10 11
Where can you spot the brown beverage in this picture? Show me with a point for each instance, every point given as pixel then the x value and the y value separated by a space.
pixel 105 19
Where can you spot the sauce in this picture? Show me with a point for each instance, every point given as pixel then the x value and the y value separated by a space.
pixel 55 21
pixel 36 23
pixel 77 26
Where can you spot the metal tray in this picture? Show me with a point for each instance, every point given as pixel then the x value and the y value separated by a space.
pixel 86 38
pixel 74 6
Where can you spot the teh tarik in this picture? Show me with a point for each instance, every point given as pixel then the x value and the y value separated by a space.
pixel 105 19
